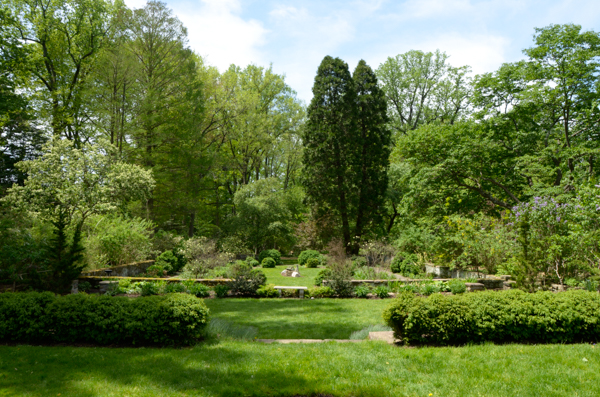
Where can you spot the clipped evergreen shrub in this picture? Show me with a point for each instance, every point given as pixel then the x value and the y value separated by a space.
pixel 405 264
pixel 268 262
pixel 496 316
pixel 320 292
pixel 308 254
pixel 168 261
pixel 267 291
pixel 34 317
pixel 274 254
pixel 312 263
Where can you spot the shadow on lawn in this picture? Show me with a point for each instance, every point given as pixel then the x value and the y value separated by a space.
pixel 216 370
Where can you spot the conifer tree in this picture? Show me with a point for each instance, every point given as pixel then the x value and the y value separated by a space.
pixel 346 146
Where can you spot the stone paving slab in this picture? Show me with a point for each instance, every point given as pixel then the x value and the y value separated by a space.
pixel 288 341
pixel 386 336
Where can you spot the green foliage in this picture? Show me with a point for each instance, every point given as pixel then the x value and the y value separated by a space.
pixel 382 291
pixel 308 254
pixel 362 291
pixel 370 273
pixel 252 262
pixel 405 264
pixel 174 288
pixel 65 259
pixel 267 291
pixel 324 274
pixel 268 263
pixel 347 146
pixel 84 286
pixel 321 292
pixel 148 288
pixel 245 280
pixel 197 289
pixel 506 316
pixel 175 319
pixel 156 271
pixel 115 240
pixel 457 286
pixel 168 261
pixel 221 290
pixel 274 254
pixel 313 263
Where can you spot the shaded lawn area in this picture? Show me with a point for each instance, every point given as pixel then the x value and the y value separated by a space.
pixel 307 280
pixel 296 318
pixel 235 368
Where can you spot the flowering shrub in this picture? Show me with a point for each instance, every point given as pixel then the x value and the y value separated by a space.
pixel 555 239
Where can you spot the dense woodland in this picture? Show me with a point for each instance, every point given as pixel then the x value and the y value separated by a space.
pixel 118 142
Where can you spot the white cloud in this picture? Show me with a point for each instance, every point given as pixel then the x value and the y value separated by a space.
pixel 218 33
pixel 484 53
pixel 428 8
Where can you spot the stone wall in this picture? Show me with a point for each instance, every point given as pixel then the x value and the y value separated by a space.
pixel 129 270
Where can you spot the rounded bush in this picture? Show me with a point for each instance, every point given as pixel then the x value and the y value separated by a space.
pixel 324 274
pixel 168 261
pixel 405 264
pixel 312 263
pixel 252 262
pixel 306 255
pixel 221 290
pixel 268 262
pixel 274 254
pixel 382 291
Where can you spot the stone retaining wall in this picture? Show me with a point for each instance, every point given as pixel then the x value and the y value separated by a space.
pixel 209 282
pixel 128 270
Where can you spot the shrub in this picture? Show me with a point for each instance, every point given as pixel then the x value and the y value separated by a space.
pixel 308 254
pixel 267 291
pixel 84 286
pixel 202 256
pixel 412 288
pixel 47 318
pixel 457 286
pixel 405 264
pixel 252 262
pixel 312 263
pixel 198 289
pixel 156 271
pixel 221 290
pixel 149 288
pixel 429 289
pixel 274 254
pixel 498 316
pixel 382 291
pixel 245 280
pixel 324 274
pixel 268 262
pixel 359 261
pixel 115 240
pixel 168 261
pixel 174 287
pixel 361 291
pixel 321 292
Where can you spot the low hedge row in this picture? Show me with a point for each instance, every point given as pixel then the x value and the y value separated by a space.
pixel 503 316
pixel 34 317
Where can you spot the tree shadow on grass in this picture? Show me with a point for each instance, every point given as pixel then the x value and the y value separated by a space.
pixel 218 370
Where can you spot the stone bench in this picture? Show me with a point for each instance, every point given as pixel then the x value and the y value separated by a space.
pixel 300 289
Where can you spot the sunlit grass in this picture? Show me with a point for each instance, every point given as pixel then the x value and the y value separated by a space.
pixel 307 280
pixel 296 318
pixel 237 368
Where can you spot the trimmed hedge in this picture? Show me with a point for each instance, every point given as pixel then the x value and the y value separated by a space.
pixel 503 316
pixel 276 255
pixel 35 317
pixel 308 254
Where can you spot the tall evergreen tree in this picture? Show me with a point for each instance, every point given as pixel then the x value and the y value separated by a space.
pixel 346 146
pixel 373 148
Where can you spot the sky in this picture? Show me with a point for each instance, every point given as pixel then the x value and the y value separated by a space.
pixel 293 36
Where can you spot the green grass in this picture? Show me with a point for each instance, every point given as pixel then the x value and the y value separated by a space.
pixel 295 318
pixel 237 368
pixel 307 280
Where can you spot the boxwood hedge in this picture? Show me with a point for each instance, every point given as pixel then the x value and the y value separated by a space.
pixel 33 317
pixel 496 316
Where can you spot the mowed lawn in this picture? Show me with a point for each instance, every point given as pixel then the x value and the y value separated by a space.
pixel 300 318
pixel 307 280
pixel 236 368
